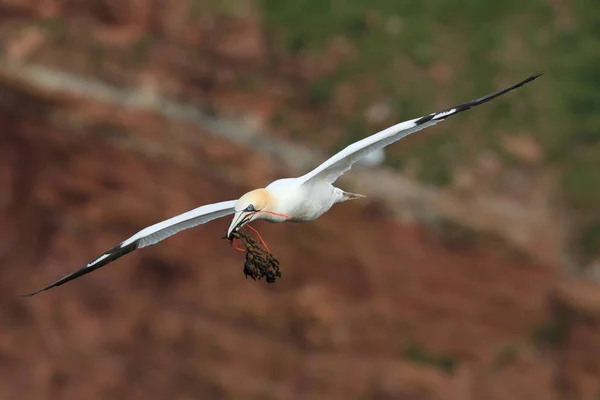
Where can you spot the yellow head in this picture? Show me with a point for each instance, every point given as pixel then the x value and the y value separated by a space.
pixel 247 208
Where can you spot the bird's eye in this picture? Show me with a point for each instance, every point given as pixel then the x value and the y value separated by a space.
pixel 250 208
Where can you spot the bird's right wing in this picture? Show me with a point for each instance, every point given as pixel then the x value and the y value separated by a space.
pixel 149 236
pixel 341 162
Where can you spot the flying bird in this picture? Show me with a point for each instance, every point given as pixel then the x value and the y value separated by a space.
pixel 285 200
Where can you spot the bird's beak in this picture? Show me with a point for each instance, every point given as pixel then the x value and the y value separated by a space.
pixel 239 219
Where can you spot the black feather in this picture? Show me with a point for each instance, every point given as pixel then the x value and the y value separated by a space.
pixel 113 254
pixel 473 103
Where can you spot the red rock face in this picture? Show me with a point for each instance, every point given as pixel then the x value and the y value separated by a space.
pixel 366 308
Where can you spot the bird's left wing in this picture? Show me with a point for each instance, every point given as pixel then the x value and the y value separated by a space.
pixel 149 236
pixel 341 162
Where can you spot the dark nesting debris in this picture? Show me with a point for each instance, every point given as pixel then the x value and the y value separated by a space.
pixel 259 262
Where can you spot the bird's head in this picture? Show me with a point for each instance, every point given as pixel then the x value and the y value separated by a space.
pixel 248 208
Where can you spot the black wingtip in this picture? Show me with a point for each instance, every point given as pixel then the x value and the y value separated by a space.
pixel 71 276
pixel 110 256
pixel 65 279
pixel 442 115
pixel 34 293
pixel 533 77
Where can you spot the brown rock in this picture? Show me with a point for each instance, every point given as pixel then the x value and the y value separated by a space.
pixel 178 320
pixel 524 147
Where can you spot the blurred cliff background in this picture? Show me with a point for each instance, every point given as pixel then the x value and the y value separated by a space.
pixel 471 270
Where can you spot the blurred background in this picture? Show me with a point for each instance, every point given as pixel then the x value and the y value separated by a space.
pixel 471 270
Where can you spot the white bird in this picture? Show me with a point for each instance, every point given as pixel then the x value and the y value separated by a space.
pixel 285 200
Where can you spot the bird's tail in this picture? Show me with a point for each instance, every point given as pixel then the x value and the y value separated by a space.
pixel 352 196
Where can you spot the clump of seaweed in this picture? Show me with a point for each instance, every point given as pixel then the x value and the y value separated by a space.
pixel 259 262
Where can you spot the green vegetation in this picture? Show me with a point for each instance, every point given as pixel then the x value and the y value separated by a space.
pixel 550 333
pixel 141 50
pixel 56 27
pixel 403 45
pixel 588 240
pixel 507 355
pixel 416 354
pixel 97 56
pixel 197 7
pixel 319 93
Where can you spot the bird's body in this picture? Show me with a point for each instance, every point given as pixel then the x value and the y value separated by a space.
pixel 301 199
pixel 300 202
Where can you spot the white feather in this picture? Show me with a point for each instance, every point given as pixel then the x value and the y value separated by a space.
pixel 97 260
pixel 162 230
pixel 341 162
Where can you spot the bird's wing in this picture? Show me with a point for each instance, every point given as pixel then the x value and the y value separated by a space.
pixel 149 236
pixel 341 162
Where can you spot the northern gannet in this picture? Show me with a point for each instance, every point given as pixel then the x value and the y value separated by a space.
pixel 285 200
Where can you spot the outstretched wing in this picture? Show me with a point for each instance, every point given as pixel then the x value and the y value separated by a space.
pixel 341 162
pixel 149 236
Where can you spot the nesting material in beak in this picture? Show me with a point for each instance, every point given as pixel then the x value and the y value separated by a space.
pixel 259 262
pixel 240 219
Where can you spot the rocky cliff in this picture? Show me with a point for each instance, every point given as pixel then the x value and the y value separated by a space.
pixel 368 307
